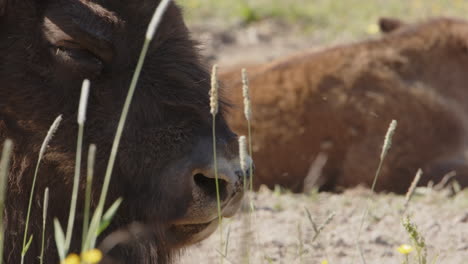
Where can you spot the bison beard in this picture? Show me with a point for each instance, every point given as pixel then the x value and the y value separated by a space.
pixel 164 168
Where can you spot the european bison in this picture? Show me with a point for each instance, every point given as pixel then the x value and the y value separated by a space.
pixel 164 166
pixel 326 113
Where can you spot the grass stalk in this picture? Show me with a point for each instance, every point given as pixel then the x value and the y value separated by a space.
pixel 89 182
pixel 244 159
pixel 4 169
pixel 318 228
pixel 214 111
pixel 45 143
pixel 218 199
pixel 155 21
pixel 411 190
pixel 248 117
pixel 385 148
pixel 45 205
pixel 76 179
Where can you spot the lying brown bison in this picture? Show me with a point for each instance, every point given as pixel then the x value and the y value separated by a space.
pixel 326 113
pixel 164 166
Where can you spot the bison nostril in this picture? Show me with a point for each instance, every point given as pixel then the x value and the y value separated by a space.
pixel 208 186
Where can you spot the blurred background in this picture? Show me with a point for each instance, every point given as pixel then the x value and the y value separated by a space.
pixel 240 32
pixel 266 29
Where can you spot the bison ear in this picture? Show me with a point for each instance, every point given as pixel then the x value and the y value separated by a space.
pixel 387 24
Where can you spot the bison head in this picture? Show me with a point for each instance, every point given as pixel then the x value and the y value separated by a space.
pixel 164 168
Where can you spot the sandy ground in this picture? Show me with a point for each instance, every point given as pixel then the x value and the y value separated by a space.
pixel 280 229
pixel 282 232
pixel 261 42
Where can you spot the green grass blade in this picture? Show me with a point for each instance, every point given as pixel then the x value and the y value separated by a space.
pixel 4 169
pixel 59 239
pixel 76 178
pixel 28 244
pixel 108 215
pixel 156 19
pixel 92 231
pixel 89 182
pixel 45 204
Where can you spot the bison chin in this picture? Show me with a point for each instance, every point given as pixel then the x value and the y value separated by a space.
pixel 201 217
pixel 187 233
pixel 192 233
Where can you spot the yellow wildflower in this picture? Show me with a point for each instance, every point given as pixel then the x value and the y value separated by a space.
pixel 372 29
pixel 324 261
pixel 92 256
pixel 71 259
pixel 405 249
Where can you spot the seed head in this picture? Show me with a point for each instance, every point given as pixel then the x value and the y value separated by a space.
pixel 388 139
pixel 83 102
pixel 214 91
pixel 53 128
pixel 243 154
pixel 245 93
pixel 45 204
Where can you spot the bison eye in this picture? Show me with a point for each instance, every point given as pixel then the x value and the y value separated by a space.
pixel 78 60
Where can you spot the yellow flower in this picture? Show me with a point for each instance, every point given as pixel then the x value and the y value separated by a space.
pixel 92 256
pixel 324 261
pixel 372 29
pixel 72 259
pixel 405 249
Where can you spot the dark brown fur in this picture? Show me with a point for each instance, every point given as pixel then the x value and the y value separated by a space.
pixel 340 102
pixel 45 54
pixel 389 24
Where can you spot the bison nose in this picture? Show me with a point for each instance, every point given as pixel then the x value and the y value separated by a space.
pixel 230 181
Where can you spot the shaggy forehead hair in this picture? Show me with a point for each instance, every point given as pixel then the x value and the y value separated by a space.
pixel 171 50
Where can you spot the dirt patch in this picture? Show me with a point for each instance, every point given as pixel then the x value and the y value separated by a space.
pixel 254 43
pixel 282 232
